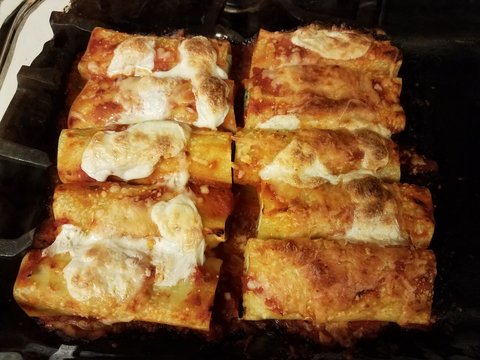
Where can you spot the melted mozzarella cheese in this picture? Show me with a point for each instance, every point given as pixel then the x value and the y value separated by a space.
pixel 330 44
pixel 144 98
pixel 363 118
pixel 198 63
pixel 100 267
pixel 107 265
pixel 383 229
pixel 134 153
pixel 298 164
pixel 211 102
pixel 179 179
pixel 197 56
pixel 281 122
pixel 183 244
pixel 134 56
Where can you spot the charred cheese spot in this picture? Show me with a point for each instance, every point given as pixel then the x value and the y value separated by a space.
pixel 307 164
pixel 374 147
pixel 369 188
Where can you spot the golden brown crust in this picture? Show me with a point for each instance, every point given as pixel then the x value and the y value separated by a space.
pixel 275 49
pixel 229 289
pixel 361 210
pixel 324 281
pixel 208 157
pixel 40 289
pixel 417 213
pixel 103 42
pixel 325 97
pixel 340 151
pixel 125 209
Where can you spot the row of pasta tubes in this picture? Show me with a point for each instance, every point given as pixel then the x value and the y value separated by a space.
pixel 144 193
pixel 340 245
pixel 146 167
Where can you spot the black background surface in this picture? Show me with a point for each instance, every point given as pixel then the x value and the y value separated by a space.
pixel 440 41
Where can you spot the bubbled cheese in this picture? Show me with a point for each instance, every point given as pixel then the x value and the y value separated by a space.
pixel 183 244
pixel 134 152
pixel 298 164
pixel 133 56
pixel 105 264
pixel 332 44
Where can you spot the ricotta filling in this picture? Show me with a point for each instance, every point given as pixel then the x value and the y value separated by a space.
pixel 107 265
pixel 331 44
pixel 134 153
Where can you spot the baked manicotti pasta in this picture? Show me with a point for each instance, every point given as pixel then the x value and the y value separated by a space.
pixel 323 97
pixel 361 210
pixel 321 45
pixel 154 78
pixel 308 158
pixel 156 152
pixel 130 209
pixel 325 281
pixel 131 100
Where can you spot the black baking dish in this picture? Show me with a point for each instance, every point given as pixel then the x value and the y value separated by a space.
pixel 441 97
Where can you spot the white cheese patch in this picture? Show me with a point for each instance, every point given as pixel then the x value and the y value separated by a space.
pixel 100 267
pixel 197 56
pixel 107 265
pixel 144 98
pixel 134 152
pixel 382 229
pixel 318 171
pixel 183 244
pixel 211 102
pixel 281 122
pixel 134 56
pixel 198 63
pixel 179 179
pixel 298 164
pixel 331 44
pixel 376 214
pixel 363 118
